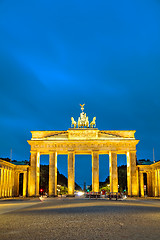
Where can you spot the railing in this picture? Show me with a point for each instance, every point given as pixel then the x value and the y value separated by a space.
pixel 93 195
pixel 109 195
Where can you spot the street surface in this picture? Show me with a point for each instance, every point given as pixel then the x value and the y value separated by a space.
pixel 12 205
pixel 79 218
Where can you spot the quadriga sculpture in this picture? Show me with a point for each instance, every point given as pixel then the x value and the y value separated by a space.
pixel 83 122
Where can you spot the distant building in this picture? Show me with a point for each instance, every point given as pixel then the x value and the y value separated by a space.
pixel 144 162
pixel 10 175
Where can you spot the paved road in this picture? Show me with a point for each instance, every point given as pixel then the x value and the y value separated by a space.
pixel 12 205
pixel 82 219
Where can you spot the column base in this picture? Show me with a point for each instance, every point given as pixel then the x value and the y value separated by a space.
pixel 53 195
pixel 70 195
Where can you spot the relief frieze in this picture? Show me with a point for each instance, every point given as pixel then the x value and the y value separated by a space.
pixel 83 134
pixel 83 146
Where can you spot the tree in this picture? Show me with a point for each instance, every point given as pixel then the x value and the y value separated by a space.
pixel 122 177
pixel 122 180
pixel 61 179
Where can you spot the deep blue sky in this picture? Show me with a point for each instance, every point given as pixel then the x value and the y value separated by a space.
pixel 55 55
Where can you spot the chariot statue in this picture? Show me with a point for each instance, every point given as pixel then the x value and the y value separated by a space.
pixel 83 120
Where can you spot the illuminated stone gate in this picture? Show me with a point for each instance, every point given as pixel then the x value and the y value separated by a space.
pixel 83 138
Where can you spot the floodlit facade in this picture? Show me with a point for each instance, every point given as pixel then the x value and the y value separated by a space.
pixel 83 141
pixel 9 179
pixel 82 138
pixel 153 179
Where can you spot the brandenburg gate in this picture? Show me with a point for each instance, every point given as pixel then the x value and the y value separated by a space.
pixel 83 138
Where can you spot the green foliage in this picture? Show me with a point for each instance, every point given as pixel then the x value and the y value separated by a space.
pixel 44 177
pixel 106 188
pixel 63 190
pixel 61 179
pixel 122 177
pixel 122 180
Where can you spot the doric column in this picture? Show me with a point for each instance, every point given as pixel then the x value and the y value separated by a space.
pixel 1 184
pixel 95 171
pixel 10 183
pixel 34 174
pixel 156 182
pixel 5 182
pixel 53 174
pixel 71 166
pixel 25 184
pixel 153 183
pixel 113 171
pixel 37 173
pixel 141 184
pixel 132 177
pixel 32 178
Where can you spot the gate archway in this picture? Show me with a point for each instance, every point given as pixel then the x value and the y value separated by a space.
pixel 79 140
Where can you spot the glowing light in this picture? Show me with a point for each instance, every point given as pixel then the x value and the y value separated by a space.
pixel 80 194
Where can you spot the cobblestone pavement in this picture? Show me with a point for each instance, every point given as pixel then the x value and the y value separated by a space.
pixel 65 218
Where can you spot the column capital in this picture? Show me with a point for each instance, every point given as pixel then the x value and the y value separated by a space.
pixel 132 151
pixel 71 151
pixel 157 168
pixel 110 152
pixel 95 150
pixel 33 152
pixel 50 152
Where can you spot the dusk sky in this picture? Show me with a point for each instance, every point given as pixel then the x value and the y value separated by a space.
pixel 55 55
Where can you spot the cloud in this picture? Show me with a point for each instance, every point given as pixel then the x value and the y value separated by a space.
pixel 55 56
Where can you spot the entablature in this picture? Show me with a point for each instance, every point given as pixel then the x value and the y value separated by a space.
pixel 10 166
pixel 6 165
pixel 83 134
pixel 83 146
pixel 21 168
pixel 83 141
pixel 146 168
